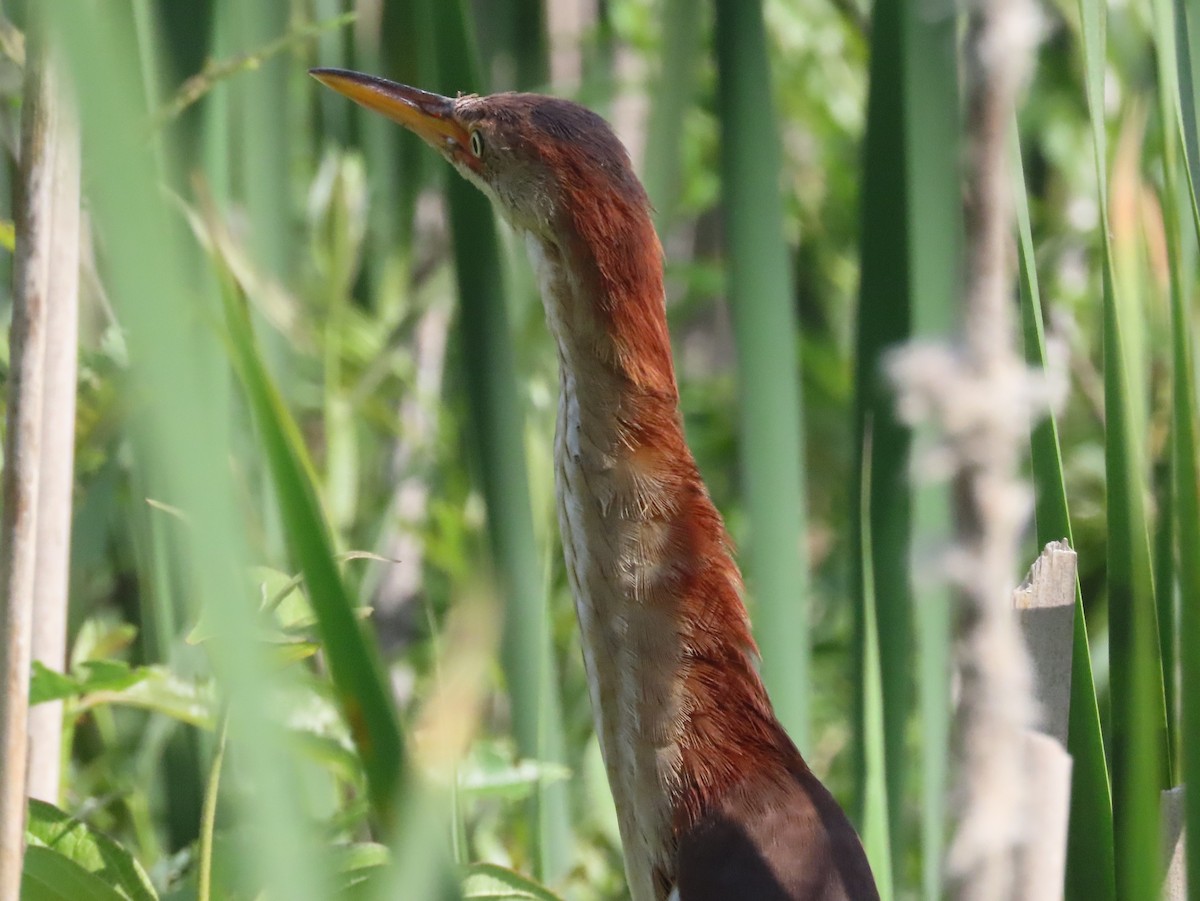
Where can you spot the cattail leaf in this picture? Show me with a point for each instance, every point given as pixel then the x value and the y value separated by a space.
pixel 1184 413
pixel 354 665
pixel 1090 865
pixel 762 305
pixel 1140 760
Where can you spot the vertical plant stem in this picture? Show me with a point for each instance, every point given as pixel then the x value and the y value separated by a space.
pixel 216 130
pixel 1090 874
pixel 996 706
pixel 208 815
pixel 1176 523
pixel 911 238
pixel 57 444
pixel 880 498
pixel 265 137
pixel 676 83
pixel 930 166
pixel 875 834
pixel 34 276
pixel 761 301
pixel 1186 445
pixel 395 159
pixel 1139 758
pixel 530 44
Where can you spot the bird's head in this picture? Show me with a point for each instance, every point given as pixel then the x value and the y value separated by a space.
pixel 556 171
pixel 538 158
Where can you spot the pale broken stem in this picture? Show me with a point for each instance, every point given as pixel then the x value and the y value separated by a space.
pixel 1174 836
pixel 996 706
pixel 56 475
pixel 36 274
pixel 1045 610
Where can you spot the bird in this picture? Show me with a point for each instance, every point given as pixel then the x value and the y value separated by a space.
pixel 714 802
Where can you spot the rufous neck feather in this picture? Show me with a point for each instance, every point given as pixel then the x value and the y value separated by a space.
pixel 681 713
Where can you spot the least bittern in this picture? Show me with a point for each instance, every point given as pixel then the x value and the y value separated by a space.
pixel 713 799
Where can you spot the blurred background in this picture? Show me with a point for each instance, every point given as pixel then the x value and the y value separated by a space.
pixel 272 274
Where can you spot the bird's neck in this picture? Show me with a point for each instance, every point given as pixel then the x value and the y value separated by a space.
pixel 680 711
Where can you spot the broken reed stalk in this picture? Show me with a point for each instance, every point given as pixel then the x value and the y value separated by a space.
pixel 40 272
pixel 981 399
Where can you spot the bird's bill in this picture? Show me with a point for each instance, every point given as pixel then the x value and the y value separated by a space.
pixel 430 116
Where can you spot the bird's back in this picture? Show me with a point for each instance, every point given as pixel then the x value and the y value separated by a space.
pixel 774 839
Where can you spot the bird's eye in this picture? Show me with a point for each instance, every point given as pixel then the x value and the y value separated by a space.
pixel 477 143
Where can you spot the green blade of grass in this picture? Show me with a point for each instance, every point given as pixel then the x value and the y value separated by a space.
pixel 911 251
pixel 265 137
pixel 353 661
pixel 875 830
pixel 396 159
pixel 1090 865
pixel 157 284
pixel 1165 472
pixel 662 168
pixel 934 222
pixel 531 44
pixel 761 302
pixel 1176 513
pixel 497 418
pixel 1186 447
pixel 1140 761
pixel 884 320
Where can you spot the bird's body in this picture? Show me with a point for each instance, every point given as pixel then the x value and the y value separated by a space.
pixel 713 800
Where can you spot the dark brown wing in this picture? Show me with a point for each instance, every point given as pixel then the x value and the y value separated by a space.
pixel 768 841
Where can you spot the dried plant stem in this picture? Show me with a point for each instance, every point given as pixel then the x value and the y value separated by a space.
pixel 47 228
pixel 996 706
pixel 56 471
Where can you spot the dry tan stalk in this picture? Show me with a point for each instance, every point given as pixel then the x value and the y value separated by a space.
pixel 56 475
pixel 36 278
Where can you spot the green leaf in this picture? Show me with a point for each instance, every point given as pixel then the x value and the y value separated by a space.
pixel 93 852
pixel 109 675
pixel 507 780
pixel 911 250
pixel 1185 442
pixel 50 685
pixel 488 882
pixel 354 663
pixel 354 863
pixel 101 638
pixel 274 588
pixel 317 726
pixel 1090 864
pixel 762 304
pixel 89 676
pixel 49 876
pixel 159 690
pixel 1140 757
pixel 875 834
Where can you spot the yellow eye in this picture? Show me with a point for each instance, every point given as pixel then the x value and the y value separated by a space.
pixel 477 143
